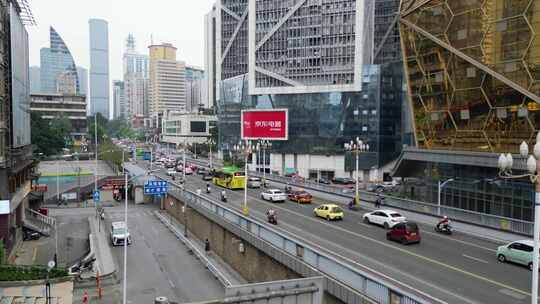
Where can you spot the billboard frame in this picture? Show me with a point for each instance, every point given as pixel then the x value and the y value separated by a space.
pixel 265 138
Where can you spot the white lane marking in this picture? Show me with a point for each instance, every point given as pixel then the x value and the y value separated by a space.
pixel 512 294
pixel 365 225
pixel 459 241
pixel 172 284
pixel 476 259
pixel 399 249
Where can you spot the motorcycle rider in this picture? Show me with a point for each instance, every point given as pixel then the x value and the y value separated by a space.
pixel 271 214
pixel 223 196
pixel 207 187
pixel 443 223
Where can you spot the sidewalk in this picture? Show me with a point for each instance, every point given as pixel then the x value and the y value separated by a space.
pixel 215 262
pixel 99 246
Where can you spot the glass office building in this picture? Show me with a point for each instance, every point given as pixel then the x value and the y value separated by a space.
pixel 55 61
pixel 320 123
pixel 473 70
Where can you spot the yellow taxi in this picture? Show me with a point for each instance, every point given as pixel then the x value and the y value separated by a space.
pixel 329 212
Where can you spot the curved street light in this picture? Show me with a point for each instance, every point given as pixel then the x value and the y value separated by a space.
pixel 356 147
pixel 505 164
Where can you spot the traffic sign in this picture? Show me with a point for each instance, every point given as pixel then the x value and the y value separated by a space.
pixel 155 187
pixel 96 196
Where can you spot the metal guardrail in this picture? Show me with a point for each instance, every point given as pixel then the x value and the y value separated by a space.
pixel 368 282
pixel 462 215
pixel 198 253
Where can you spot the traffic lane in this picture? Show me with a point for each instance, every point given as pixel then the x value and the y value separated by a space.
pixel 425 227
pixel 440 262
pixel 160 265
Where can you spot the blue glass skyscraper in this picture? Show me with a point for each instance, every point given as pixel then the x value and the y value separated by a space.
pixel 99 67
pixel 55 61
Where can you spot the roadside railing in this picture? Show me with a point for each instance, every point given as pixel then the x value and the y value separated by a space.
pixel 372 285
pixel 460 215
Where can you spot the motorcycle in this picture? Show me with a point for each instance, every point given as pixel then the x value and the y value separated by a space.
pixel 223 198
pixel 208 190
pixel 272 219
pixel 444 229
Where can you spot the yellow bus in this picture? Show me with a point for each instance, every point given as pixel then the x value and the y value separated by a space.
pixel 229 177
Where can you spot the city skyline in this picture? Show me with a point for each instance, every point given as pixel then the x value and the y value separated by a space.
pixel 174 25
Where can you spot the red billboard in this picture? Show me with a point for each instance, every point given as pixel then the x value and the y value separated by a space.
pixel 265 124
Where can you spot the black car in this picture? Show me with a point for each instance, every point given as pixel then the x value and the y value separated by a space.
pixel 343 181
pixel 207 177
pixel 323 180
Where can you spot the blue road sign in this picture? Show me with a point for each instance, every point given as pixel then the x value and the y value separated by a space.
pixel 96 197
pixel 147 156
pixel 156 187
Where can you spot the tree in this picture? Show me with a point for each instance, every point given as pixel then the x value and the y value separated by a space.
pixel 101 127
pixel 46 139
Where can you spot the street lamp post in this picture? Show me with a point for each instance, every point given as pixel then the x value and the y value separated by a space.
pixel 356 147
pixel 265 144
pixel 245 148
pixel 210 143
pixel 441 185
pixel 505 164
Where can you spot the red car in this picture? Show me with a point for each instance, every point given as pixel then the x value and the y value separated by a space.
pixel 300 196
pixel 405 232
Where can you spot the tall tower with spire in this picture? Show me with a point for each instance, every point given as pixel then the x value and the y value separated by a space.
pixel 135 82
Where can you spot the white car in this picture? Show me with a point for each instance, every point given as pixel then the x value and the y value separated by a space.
pixel 171 172
pixel 119 234
pixel 254 182
pixel 386 218
pixel 274 195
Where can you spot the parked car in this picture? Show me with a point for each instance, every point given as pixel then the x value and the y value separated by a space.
pixel 375 188
pixel 300 196
pixel 254 182
pixel 329 212
pixel 519 252
pixel 273 195
pixel 343 181
pixel 405 232
pixel 386 218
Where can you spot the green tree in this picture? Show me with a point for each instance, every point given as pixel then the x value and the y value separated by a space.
pixel 45 139
pixel 101 127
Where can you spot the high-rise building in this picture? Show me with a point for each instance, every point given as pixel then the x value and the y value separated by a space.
pixel 210 85
pixel 386 42
pixel 194 87
pixel 35 79
pixel 473 70
pixel 99 67
pixel 17 166
pixel 167 77
pixel 119 109
pixel 135 81
pixel 83 80
pixel 55 60
pixel 313 59
pixel 66 83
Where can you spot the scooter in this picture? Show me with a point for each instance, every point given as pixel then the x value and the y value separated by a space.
pixel 445 229
pixel 208 190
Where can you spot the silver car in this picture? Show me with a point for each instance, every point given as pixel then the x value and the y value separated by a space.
pixel 254 182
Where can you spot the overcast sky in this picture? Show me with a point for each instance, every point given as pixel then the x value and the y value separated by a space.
pixel 180 22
